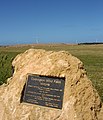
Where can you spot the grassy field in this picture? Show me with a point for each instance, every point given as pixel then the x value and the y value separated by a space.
pixel 90 55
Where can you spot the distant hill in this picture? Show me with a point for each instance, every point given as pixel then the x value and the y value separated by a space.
pixel 90 43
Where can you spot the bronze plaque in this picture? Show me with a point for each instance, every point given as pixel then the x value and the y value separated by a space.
pixel 44 90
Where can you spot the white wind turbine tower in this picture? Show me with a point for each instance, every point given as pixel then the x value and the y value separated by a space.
pixel 35 38
pixel 76 41
pixel 37 41
pixel 96 40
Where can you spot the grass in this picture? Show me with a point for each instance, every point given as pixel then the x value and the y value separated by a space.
pixel 90 55
pixel 5 65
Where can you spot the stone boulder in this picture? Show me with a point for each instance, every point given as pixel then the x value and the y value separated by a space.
pixel 80 102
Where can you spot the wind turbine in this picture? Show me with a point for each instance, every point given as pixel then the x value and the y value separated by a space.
pixel 37 41
pixel 96 40
pixel 76 41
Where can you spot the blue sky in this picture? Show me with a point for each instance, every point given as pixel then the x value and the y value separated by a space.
pixel 50 21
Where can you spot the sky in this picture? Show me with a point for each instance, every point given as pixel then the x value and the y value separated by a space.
pixel 50 21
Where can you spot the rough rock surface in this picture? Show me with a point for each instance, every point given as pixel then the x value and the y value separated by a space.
pixel 81 101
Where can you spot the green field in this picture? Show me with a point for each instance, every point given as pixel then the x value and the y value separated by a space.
pixel 90 55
